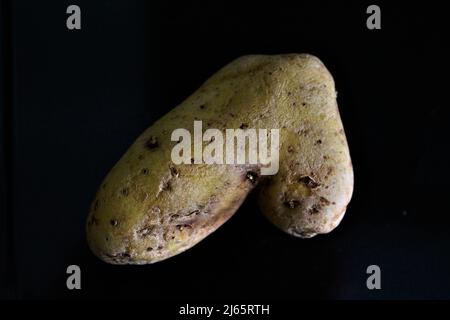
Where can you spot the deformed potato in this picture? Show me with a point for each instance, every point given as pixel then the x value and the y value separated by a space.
pixel 148 208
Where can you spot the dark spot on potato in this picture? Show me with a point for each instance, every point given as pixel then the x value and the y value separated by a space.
pixel 124 192
pixel 314 209
pixel 144 171
pixel 243 126
pixel 140 157
pixel 202 106
pixel 291 204
pixel 251 176
pixel 160 247
pixel 181 227
pixel 318 142
pixel 303 104
pixel 330 170
pixel 195 212
pixel 308 181
pixel 144 232
pixel 175 216
pixel 174 171
pixel 290 149
pixel 289 93
pixel 294 104
pixel 114 222
pixel 151 143
pixel 156 210
pixel 324 201
pixel 149 249
pixel 165 185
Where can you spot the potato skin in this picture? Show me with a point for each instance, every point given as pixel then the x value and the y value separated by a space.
pixel 310 193
pixel 148 209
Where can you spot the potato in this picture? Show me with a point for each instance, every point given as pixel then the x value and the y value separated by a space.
pixel 148 209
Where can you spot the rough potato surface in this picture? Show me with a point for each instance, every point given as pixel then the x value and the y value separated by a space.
pixel 148 209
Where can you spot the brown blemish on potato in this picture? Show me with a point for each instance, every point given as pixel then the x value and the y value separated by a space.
pixel 124 192
pixel 195 212
pixel 114 222
pixel 324 201
pixel 289 202
pixel 330 171
pixel 181 227
pixel 151 143
pixel 308 181
pixel 174 171
pixel 156 210
pixel 165 185
pixel 318 142
pixel 144 232
pixel 315 209
pixel 144 171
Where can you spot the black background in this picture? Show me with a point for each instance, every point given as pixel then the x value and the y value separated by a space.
pixel 73 101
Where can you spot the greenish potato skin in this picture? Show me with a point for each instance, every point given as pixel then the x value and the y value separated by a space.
pixel 314 184
pixel 148 209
